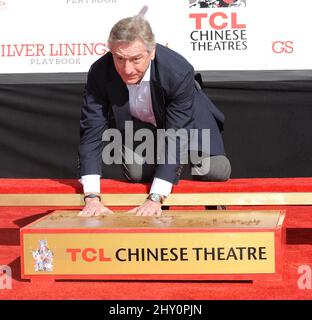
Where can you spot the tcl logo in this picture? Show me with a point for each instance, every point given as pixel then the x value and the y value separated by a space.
pixel 217 20
pixel 87 254
pixel 283 47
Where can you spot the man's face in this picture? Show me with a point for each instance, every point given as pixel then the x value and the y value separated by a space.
pixel 131 60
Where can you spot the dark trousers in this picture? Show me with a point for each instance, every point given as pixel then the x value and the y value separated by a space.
pixel 204 168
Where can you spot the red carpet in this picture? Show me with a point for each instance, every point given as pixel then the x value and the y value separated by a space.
pixel 298 225
pixel 113 186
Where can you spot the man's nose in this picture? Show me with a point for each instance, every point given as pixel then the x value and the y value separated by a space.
pixel 128 67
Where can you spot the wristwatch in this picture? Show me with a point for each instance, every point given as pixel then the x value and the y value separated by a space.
pixel 92 196
pixel 156 197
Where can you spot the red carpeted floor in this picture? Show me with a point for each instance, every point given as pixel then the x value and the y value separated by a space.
pixel 298 225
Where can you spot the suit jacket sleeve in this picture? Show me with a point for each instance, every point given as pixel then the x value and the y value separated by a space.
pixel 93 122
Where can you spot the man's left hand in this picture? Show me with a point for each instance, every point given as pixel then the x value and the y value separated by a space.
pixel 148 208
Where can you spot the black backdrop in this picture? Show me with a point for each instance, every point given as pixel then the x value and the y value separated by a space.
pixel 267 131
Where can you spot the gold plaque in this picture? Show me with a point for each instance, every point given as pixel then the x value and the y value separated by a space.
pixel 177 245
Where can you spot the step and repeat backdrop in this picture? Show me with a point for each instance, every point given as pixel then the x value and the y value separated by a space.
pixel 254 56
pixel 54 36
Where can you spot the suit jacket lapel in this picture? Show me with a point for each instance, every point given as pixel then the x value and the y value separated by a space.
pixel 119 97
pixel 158 96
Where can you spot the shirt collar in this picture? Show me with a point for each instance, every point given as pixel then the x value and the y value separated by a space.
pixel 147 75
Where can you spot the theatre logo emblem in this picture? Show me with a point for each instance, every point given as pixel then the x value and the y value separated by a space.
pixel 43 257
pixel 217 3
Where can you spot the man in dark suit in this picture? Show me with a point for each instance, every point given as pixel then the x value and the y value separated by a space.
pixel 154 88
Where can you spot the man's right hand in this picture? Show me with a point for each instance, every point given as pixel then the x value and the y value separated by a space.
pixel 94 208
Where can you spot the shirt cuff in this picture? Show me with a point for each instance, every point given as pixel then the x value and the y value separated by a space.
pixel 161 187
pixel 91 183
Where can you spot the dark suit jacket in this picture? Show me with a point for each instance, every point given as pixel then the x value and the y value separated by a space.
pixel 177 103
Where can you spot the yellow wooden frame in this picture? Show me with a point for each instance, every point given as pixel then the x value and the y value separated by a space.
pixel 175 199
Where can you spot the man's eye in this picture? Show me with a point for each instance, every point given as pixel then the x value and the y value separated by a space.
pixel 119 59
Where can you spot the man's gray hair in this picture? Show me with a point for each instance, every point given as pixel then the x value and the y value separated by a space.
pixel 131 29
